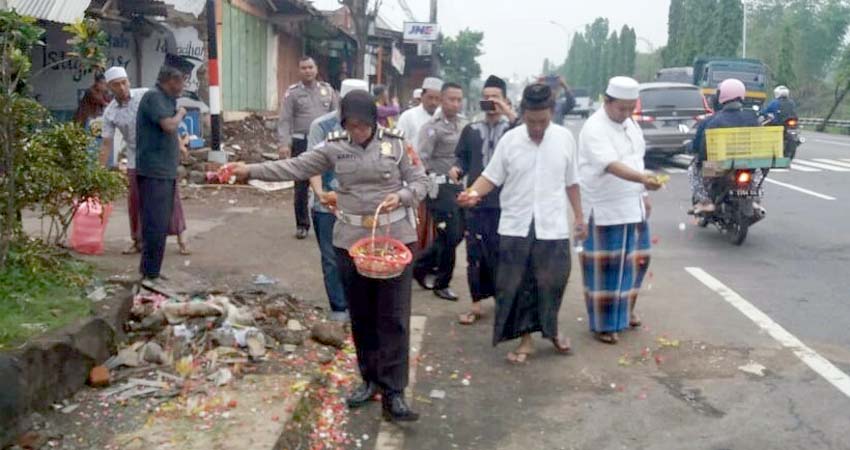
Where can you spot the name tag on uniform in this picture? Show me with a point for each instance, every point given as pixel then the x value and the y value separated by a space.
pixel 345 156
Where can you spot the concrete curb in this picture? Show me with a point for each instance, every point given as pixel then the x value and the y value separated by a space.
pixel 54 366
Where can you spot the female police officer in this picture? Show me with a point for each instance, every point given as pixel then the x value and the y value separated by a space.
pixel 372 166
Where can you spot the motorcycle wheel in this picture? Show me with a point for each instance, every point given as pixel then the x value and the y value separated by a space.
pixel 737 232
pixel 702 222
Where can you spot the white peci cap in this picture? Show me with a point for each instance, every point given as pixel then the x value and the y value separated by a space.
pixel 353 84
pixel 433 84
pixel 114 73
pixel 417 93
pixel 623 88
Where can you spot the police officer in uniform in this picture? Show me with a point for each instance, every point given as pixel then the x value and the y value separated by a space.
pixel 302 104
pixel 436 146
pixel 373 165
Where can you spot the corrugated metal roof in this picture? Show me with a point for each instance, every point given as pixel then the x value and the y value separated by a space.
pixel 62 11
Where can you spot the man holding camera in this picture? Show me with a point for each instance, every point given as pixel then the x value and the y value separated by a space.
pixel 474 150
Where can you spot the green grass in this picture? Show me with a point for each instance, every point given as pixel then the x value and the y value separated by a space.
pixel 41 289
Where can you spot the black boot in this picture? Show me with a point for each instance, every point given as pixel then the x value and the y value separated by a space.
pixel 396 409
pixel 362 394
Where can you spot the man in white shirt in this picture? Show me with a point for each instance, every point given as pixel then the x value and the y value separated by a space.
pixel 412 120
pixel 120 115
pixel 613 189
pixel 536 167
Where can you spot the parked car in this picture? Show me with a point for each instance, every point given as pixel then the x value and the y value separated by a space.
pixel 668 114
pixel 584 104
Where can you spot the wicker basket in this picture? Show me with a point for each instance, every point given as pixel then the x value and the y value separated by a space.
pixel 382 257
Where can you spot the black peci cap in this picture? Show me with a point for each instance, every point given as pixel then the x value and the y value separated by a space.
pixel 537 96
pixel 495 82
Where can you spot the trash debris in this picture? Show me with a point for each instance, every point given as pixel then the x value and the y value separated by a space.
pixel 264 280
pixel 98 294
pixel 753 368
pixel 271 186
pixel 294 325
pixel 222 377
pixel 154 354
pixel 437 394
pixel 256 343
pixel 70 408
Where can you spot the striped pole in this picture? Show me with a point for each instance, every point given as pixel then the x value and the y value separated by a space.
pixel 215 91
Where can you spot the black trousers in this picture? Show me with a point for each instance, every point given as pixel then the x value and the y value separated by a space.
pixel 439 257
pixel 156 198
pixel 302 190
pixel 380 323
pixel 482 251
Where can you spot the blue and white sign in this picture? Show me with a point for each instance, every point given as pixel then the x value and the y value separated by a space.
pixel 421 31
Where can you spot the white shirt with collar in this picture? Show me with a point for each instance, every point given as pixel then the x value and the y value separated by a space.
pixel 611 200
pixel 122 117
pixel 534 180
pixel 411 121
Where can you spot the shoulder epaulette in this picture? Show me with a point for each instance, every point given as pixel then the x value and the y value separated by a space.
pixel 292 87
pixel 337 136
pixel 394 132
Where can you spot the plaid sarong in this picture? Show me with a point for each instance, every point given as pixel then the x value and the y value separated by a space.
pixel 614 263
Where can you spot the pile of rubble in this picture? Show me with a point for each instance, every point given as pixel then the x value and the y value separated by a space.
pixel 252 138
pixel 187 354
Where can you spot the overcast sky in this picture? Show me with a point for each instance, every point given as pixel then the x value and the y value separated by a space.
pixel 518 33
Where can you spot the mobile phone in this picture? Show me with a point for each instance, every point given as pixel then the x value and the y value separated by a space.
pixel 487 105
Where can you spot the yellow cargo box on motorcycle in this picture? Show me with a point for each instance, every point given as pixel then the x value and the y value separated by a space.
pixel 744 148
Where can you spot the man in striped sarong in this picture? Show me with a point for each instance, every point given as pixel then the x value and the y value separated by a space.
pixel 613 189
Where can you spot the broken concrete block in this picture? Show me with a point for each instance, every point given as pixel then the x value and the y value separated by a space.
pixel 99 376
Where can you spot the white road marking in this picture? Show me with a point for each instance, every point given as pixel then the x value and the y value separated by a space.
pixel 779 170
pixel 673 170
pixel 803 168
pixel 820 166
pixel 815 361
pixel 833 162
pixel 845 159
pixel 391 437
pixel 799 189
pixel 827 141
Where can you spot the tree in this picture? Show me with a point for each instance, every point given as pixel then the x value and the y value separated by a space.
pixel 728 29
pixel 611 57
pixel 628 50
pixel 362 16
pixel 547 66
pixel 22 119
pixel 842 85
pixel 459 55
pixel 675 31
pixel 787 49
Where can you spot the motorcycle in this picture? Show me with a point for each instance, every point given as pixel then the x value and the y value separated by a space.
pixel 792 137
pixel 737 195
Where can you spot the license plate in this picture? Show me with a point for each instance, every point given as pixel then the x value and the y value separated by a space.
pixel 746 193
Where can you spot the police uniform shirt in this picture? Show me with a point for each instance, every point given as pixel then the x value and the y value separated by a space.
pixel 302 105
pixel 365 175
pixel 437 143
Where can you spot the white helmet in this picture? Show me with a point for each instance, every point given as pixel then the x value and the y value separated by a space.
pixel 781 91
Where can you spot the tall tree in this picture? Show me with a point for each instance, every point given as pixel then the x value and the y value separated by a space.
pixel 728 35
pixel 459 55
pixel 362 16
pixel 628 50
pixel 611 57
pixel 675 32
pixel 597 38
pixel 787 50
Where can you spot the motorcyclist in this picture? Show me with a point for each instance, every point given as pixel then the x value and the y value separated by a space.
pixel 731 114
pixel 781 108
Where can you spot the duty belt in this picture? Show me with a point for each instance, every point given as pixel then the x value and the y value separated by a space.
pixel 300 136
pixel 442 179
pixel 369 221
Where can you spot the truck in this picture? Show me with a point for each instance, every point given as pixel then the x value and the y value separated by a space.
pixel 711 71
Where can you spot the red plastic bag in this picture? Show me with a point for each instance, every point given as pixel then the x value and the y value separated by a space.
pixel 89 227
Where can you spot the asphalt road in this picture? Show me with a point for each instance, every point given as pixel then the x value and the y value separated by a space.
pixel 713 312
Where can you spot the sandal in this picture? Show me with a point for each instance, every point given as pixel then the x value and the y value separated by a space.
pixel 184 249
pixel 469 318
pixel 635 321
pixel 134 249
pixel 607 338
pixel 562 345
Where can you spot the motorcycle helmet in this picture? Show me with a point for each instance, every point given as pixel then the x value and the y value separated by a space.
pixel 781 91
pixel 730 90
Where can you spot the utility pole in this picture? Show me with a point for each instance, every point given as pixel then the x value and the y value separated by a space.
pixel 435 51
pixel 215 154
